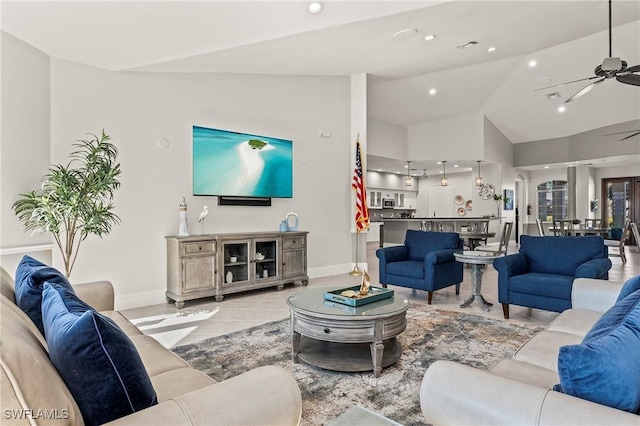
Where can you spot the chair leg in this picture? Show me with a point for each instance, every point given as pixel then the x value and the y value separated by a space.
pixel 623 255
pixel 384 285
pixel 458 289
pixel 505 310
pixel 429 297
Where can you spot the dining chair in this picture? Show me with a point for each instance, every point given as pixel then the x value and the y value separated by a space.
pixel 619 244
pixel 540 228
pixel 636 235
pixel 562 228
pixel 501 247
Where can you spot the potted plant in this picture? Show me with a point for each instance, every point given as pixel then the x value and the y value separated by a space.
pixel 75 200
pixel 500 200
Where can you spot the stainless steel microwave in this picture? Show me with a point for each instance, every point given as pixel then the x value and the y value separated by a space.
pixel 388 203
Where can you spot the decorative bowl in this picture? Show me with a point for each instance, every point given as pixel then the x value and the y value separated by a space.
pixel 259 256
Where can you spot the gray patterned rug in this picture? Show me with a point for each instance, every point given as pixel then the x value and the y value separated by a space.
pixel 430 335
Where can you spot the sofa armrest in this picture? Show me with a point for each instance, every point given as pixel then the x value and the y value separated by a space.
pixel 392 254
pixel 594 295
pixel 594 268
pixel 263 396
pixel 97 294
pixel 453 393
pixel 440 256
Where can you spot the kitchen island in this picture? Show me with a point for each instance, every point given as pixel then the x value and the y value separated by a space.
pixel 395 229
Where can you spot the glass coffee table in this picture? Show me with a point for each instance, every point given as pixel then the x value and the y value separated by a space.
pixel 338 337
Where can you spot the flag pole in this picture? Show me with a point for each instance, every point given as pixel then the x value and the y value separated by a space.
pixel 356 271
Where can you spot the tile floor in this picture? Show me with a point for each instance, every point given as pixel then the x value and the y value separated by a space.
pixel 203 319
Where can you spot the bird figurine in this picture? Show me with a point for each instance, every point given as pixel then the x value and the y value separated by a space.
pixel 203 216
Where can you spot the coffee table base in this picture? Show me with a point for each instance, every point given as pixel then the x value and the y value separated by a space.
pixel 346 357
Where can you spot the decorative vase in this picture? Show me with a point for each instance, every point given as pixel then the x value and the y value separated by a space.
pixel 184 229
pixel 229 276
pixel 265 273
pixel 294 226
pixel 283 226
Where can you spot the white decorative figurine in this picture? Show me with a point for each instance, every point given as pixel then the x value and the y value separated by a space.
pixel 184 229
pixel 203 216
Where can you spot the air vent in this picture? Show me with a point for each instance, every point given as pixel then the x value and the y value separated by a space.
pixel 467 44
pixel 552 96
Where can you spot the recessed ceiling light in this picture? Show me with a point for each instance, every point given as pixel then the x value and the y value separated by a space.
pixel 406 167
pixel 429 37
pixel 455 165
pixel 409 32
pixel 546 167
pixel 491 49
pixel 551 96
pixel 432 91
pixel 439 162
pixel 315 7
pixel 543 80
pixel 561 108
pixel 533 63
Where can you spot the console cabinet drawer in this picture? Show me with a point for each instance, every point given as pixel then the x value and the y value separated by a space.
pixel 198 248
pixel 333 331
pixel 293 242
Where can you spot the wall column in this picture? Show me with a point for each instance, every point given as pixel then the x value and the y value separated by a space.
pixel 571 192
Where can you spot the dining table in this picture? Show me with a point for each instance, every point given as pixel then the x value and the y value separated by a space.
pixel 584 231
pixel 475 238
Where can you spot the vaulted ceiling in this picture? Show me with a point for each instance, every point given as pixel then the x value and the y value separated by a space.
pixel 568 39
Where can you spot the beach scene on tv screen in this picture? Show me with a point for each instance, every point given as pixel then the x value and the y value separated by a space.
pixel 240 164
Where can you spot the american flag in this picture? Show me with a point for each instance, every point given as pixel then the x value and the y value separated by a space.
pixel 362 211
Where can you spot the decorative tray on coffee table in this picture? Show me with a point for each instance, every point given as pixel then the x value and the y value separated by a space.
pixel 375 294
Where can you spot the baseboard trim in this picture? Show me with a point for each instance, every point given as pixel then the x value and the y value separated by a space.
pixel 157 297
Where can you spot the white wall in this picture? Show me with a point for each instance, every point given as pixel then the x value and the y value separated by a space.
pixel 387 139
pixel 459 138
pixel 137 109
pixel 24 134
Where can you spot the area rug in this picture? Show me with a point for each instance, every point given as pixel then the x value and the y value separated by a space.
pixel 430 335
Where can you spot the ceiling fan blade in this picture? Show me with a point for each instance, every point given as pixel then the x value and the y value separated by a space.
pixel 584 91
pixel 568 82
pixel 619 133
pixel 630 136
pixel 635 68
pixel 632 79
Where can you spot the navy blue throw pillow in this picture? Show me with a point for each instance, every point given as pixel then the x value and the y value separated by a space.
pixel 629 287
pixel 97 361
pixel 605 367
pixel 30 275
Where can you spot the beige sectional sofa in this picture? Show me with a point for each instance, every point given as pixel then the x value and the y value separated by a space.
pixel 34 393
pixel 518 390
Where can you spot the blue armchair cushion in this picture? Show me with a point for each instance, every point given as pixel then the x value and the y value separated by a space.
pixel 605 367
pixel 409 268
pixel 97 361
pixel 421 243
pixel 30 276
pixel 561 255
pixel 548 285
pixel 630 286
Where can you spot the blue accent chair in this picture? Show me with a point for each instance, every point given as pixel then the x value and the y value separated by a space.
pixel 424 262
pixel 541 275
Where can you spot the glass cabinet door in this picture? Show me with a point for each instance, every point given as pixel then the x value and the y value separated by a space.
pixel 265 258
pixel 237 259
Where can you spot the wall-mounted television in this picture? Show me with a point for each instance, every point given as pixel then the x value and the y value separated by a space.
pixel 227 163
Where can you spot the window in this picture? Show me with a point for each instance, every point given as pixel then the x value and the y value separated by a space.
pixel 552 200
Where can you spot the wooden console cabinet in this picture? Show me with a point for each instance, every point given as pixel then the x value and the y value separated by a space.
pixel 217 264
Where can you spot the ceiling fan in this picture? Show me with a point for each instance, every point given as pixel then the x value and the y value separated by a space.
pixel 611 67
pixel 633 133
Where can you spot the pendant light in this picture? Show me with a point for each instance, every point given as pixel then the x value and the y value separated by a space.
pixel 479 178
pixel 443 180
pixel 407 180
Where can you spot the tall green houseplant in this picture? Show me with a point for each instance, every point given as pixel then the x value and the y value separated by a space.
pixel 75 200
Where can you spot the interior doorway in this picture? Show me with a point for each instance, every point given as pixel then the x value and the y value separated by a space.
pixel 620 203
